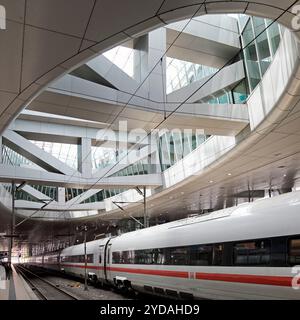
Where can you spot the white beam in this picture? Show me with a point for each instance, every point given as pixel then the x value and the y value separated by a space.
pixel 35 193
pixel 54 206
pixel 32 176
pixel 113 74
pixel 34 153
pixel 85 157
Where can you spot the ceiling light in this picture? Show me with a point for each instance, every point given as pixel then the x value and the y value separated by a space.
pixel 229 174
pixel 211 181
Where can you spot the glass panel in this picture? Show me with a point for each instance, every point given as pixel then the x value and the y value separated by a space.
pixel 240 93
pixel 122 57
pixel 274 36
pixel 251 58
pixel 178 146
pixel 218 254
pixel 224 98
pixel 259 25
pixel 263 52
pixel 294 251
pixel 243 20
pixel 187 147
pixel 181 73
pixel 177 256
pixel 201 255
pixel 252 253
pixel 262 43
pixel 213 101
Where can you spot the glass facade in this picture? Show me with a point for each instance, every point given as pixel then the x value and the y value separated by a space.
pixel 103 157
pixel 66 153
pixel 11 157
pixel 122 57
pixel 258 53
pixel 180 73
pixel 257 56
pixel 174 146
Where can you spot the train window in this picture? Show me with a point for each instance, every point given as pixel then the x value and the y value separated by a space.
pixel 159 256
pixel 252 253
pixel 176 256
pixel 78 258
pixel 130 257
pixel 116 257
pixel 294 251
pixel 201 255
pixel 279 251
pixel 126 257
pixel 218 254
pixel 144 256
pixel 100 258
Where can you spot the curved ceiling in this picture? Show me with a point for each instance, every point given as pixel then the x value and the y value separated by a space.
pixel 47 38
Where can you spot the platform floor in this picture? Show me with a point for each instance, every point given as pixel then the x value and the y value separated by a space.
pixel 15 288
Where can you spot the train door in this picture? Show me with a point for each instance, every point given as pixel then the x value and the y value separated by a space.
pixel 107 261
pixel 101 262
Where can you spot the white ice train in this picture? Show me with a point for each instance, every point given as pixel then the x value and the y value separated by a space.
pixel 250 251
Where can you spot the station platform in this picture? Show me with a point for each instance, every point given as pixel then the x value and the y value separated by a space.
pixel 15 288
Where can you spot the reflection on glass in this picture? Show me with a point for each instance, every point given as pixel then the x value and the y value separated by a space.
pixel 262 43
pixel 251 58
pixel 240 92
pixel 180 73
pixel 258 52
pixel 274 35
pixel 121 57
pixel 66 153
pixel 243 20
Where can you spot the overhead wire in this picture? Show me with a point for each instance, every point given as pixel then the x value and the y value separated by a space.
pixel 181 103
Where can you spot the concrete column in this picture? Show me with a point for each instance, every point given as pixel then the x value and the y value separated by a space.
pixel 157 80
pixel 61 195
pixel 85 157
pixel 149 49
pixel 154 156
pixel 140 58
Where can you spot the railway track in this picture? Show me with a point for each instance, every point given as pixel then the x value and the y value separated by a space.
pixel 44 289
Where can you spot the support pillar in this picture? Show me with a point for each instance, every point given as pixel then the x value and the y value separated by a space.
pixel 12 223
pixel 85 157
pixel 61 195
pixel 146 219
pixel 148 57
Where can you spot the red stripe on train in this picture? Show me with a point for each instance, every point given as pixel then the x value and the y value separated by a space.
pixel 245 278
pixel 82 266
pixel 165 273
pixel 226 277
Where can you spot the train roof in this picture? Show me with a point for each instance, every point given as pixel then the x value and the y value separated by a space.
pixel 262 218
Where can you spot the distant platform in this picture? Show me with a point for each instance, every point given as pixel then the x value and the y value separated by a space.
pixel 15 288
